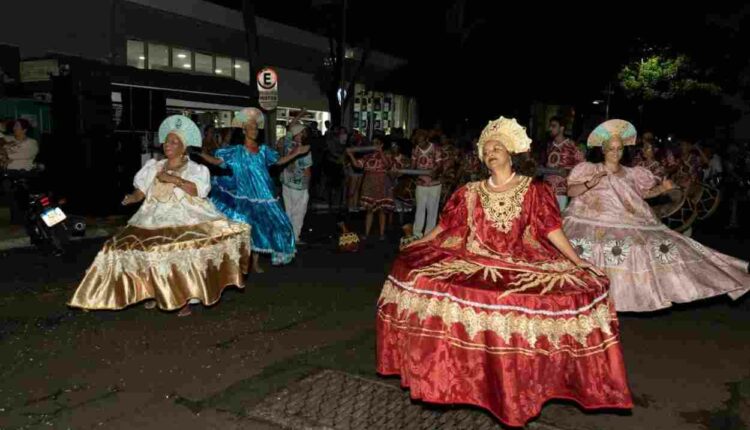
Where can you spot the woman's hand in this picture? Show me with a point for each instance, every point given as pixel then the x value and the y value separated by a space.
pixel 299 150
pixel 667 185
pixel 561 242
pixel 128 200
pixel 166 178
pixel 133 198
pixel 593 182
pixel 583 264
pixel 427 238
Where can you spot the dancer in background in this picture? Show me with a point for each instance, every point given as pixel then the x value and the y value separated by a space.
pixel 295 178
pixel 426 156
pixel 649 266
pixel 562 155
pixel 249 195
pixel 376 195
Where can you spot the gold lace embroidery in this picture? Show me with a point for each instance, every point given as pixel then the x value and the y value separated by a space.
pixel 473 243
pixel 530 240
pixel 504 207
pixel 530 328
pixel 142 260
pixel 577 351
pixel 544 275
pixel 163 192
pixel 452 242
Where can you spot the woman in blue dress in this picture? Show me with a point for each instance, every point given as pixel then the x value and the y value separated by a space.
pixel 248 195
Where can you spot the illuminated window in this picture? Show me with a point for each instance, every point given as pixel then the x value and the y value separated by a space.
pixel 158 56
pixel 223 66
pixel 204 63
pixel 242 71
pixel 182 59
pixel 136 53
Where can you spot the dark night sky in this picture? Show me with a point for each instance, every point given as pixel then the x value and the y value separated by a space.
pixel 518 52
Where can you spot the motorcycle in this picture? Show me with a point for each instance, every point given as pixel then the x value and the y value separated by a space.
pixel 49 228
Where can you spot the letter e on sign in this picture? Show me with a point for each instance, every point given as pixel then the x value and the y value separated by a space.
pixel 267 79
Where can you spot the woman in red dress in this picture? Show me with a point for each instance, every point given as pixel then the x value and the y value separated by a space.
pixel 376 195
pixel 494 308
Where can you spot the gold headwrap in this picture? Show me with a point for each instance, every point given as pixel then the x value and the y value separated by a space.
pixel 506 131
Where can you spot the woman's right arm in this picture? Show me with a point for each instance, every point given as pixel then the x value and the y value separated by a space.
pixel 575 190
pixel 210 159
pixel 356 162
pixel 429 237
pixel 133 198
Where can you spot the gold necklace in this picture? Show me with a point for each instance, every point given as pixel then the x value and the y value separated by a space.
pixel 503 207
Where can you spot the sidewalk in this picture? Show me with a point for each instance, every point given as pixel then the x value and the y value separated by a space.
pixel 14 236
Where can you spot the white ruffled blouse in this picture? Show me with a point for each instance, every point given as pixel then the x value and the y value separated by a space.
pixel 166 205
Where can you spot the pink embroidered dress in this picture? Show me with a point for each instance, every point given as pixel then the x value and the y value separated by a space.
pixel 649 266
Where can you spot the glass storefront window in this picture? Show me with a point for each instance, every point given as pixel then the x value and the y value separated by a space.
pixel 204 63
pixel 223 66
pixel 146 55
pixel 158 56
pixel 182 59
pixel 242 71
pixel 136 53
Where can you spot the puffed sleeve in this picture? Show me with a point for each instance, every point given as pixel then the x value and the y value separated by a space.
pixel 644 180
pixel 145 177
pixel 201 177
pixel 581 173
pixel 227 156
pixel 455 212
pixel 545 213
pixel 271 155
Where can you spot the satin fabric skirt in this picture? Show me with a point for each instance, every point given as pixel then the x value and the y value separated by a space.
pixel 169 265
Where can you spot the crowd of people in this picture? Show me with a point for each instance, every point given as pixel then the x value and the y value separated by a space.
pixel 505 295
pixel 512 299
pixel 391 177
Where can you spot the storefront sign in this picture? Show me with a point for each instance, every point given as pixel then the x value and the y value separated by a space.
pixel 38 70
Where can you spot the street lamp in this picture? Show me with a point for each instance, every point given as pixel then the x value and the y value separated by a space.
pixel 609 92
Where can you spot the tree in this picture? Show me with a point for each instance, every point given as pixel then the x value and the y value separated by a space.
pixel 661 77
pixel 332 75
pixel 677 94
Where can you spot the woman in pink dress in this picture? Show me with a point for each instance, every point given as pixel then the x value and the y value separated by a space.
pixel 649 266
